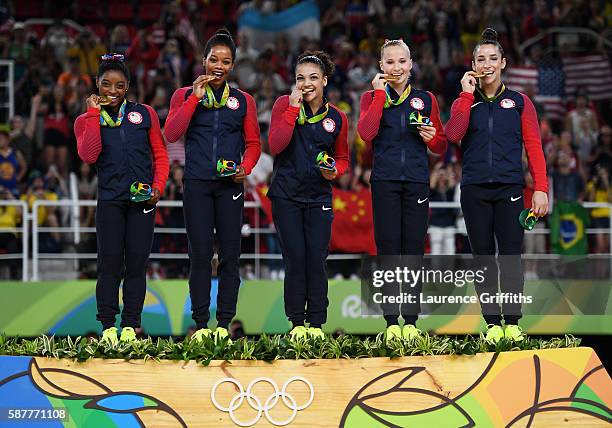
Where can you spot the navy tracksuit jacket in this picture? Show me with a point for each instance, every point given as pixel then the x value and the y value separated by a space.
pixel 492 133
pixel 133 151
pixel 400 178
pixel 302 204
pixel 231 133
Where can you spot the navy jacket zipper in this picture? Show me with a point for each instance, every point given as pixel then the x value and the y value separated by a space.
pixel 214 154
pixel 402 134
pixel 490 142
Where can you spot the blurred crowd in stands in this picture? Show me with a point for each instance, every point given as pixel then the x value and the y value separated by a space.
pixel 55 65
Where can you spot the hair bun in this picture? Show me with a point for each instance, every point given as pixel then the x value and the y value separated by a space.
pixel 489 35
pixel 224 32
pixel 221 37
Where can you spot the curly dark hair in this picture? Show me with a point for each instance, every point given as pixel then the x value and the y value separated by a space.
pixel 320 58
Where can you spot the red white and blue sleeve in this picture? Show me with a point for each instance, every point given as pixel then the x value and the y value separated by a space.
pixel 87 132
pixel 282 124
pixel 179 116
pixel 370 113
pixel 439 142
pixel 251 133
pixel 457 125
pixel 533 146
pixel 341 147
pixel 161 165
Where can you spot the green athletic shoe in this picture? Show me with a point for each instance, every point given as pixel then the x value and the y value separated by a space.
pixel 410 331
pixel 110 336
pixel 221 333
pixel 200 334
pixel 494 333
pixel 128 334
pixel 514 332
pixel 316 332
pixel 393 332
pixel 298 332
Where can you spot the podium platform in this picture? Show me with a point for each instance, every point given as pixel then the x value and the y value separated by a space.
pixel 543 388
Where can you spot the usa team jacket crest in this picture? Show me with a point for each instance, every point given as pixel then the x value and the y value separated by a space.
pixel 230 132
pixel 133 151
pixel 400 154
pixel 492 134
pixel 296 175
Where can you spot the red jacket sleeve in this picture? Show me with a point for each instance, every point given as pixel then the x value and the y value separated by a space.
pixel 282 124
pixel 341 147
pixel 250 129
pixel 370 113
pixel 457 125
pixel 87 132
pixel 161 165
pixel 439 143
pixel 533 145
pixel 180 113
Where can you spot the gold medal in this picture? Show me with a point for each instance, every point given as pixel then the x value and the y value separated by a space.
pixel 391 77
pixel 104 100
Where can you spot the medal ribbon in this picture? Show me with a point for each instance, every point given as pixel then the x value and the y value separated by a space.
pixel 209 100
pixel 389 102
pixel 302 119
pixel 106 120
pixel 489 99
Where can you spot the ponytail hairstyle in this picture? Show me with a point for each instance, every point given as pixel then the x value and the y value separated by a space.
pixel 222 37
pixel 113 61
pixel 489 37
pixel 319 58
pixel 396 42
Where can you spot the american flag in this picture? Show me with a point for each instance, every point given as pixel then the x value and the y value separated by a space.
pixel 553 84
pixel 547 83
pixel 591 73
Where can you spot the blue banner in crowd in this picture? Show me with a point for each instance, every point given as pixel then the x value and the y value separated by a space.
pixel 301 20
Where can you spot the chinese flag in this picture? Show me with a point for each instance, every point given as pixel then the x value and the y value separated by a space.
pixel 353 228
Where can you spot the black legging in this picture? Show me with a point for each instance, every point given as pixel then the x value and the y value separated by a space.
pixel 401 213
pixel 210 205
pixel 304 231
pixel 491 214
pixel 124 232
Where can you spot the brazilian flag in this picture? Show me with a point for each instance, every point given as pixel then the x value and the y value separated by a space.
pixel 569 222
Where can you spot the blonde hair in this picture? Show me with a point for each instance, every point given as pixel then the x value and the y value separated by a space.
pixel 397 42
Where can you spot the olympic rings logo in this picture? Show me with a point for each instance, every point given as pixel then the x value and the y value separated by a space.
pixel 256 403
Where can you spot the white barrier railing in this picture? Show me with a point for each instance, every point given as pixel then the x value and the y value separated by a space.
pixel 257 231
pixel 24 230
pixel 77 230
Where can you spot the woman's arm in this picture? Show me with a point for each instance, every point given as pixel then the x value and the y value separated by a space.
pixel 370 113
pixel 282 124
pixel 457 125
pixel 533 146
pixel 439 142
pixel 87 132
pixel 161 165
pixel 250 129
pixel 181 111
pixel 341 147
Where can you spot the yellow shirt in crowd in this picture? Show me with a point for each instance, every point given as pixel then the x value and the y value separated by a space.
pixel 600 196
pixel 42 210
